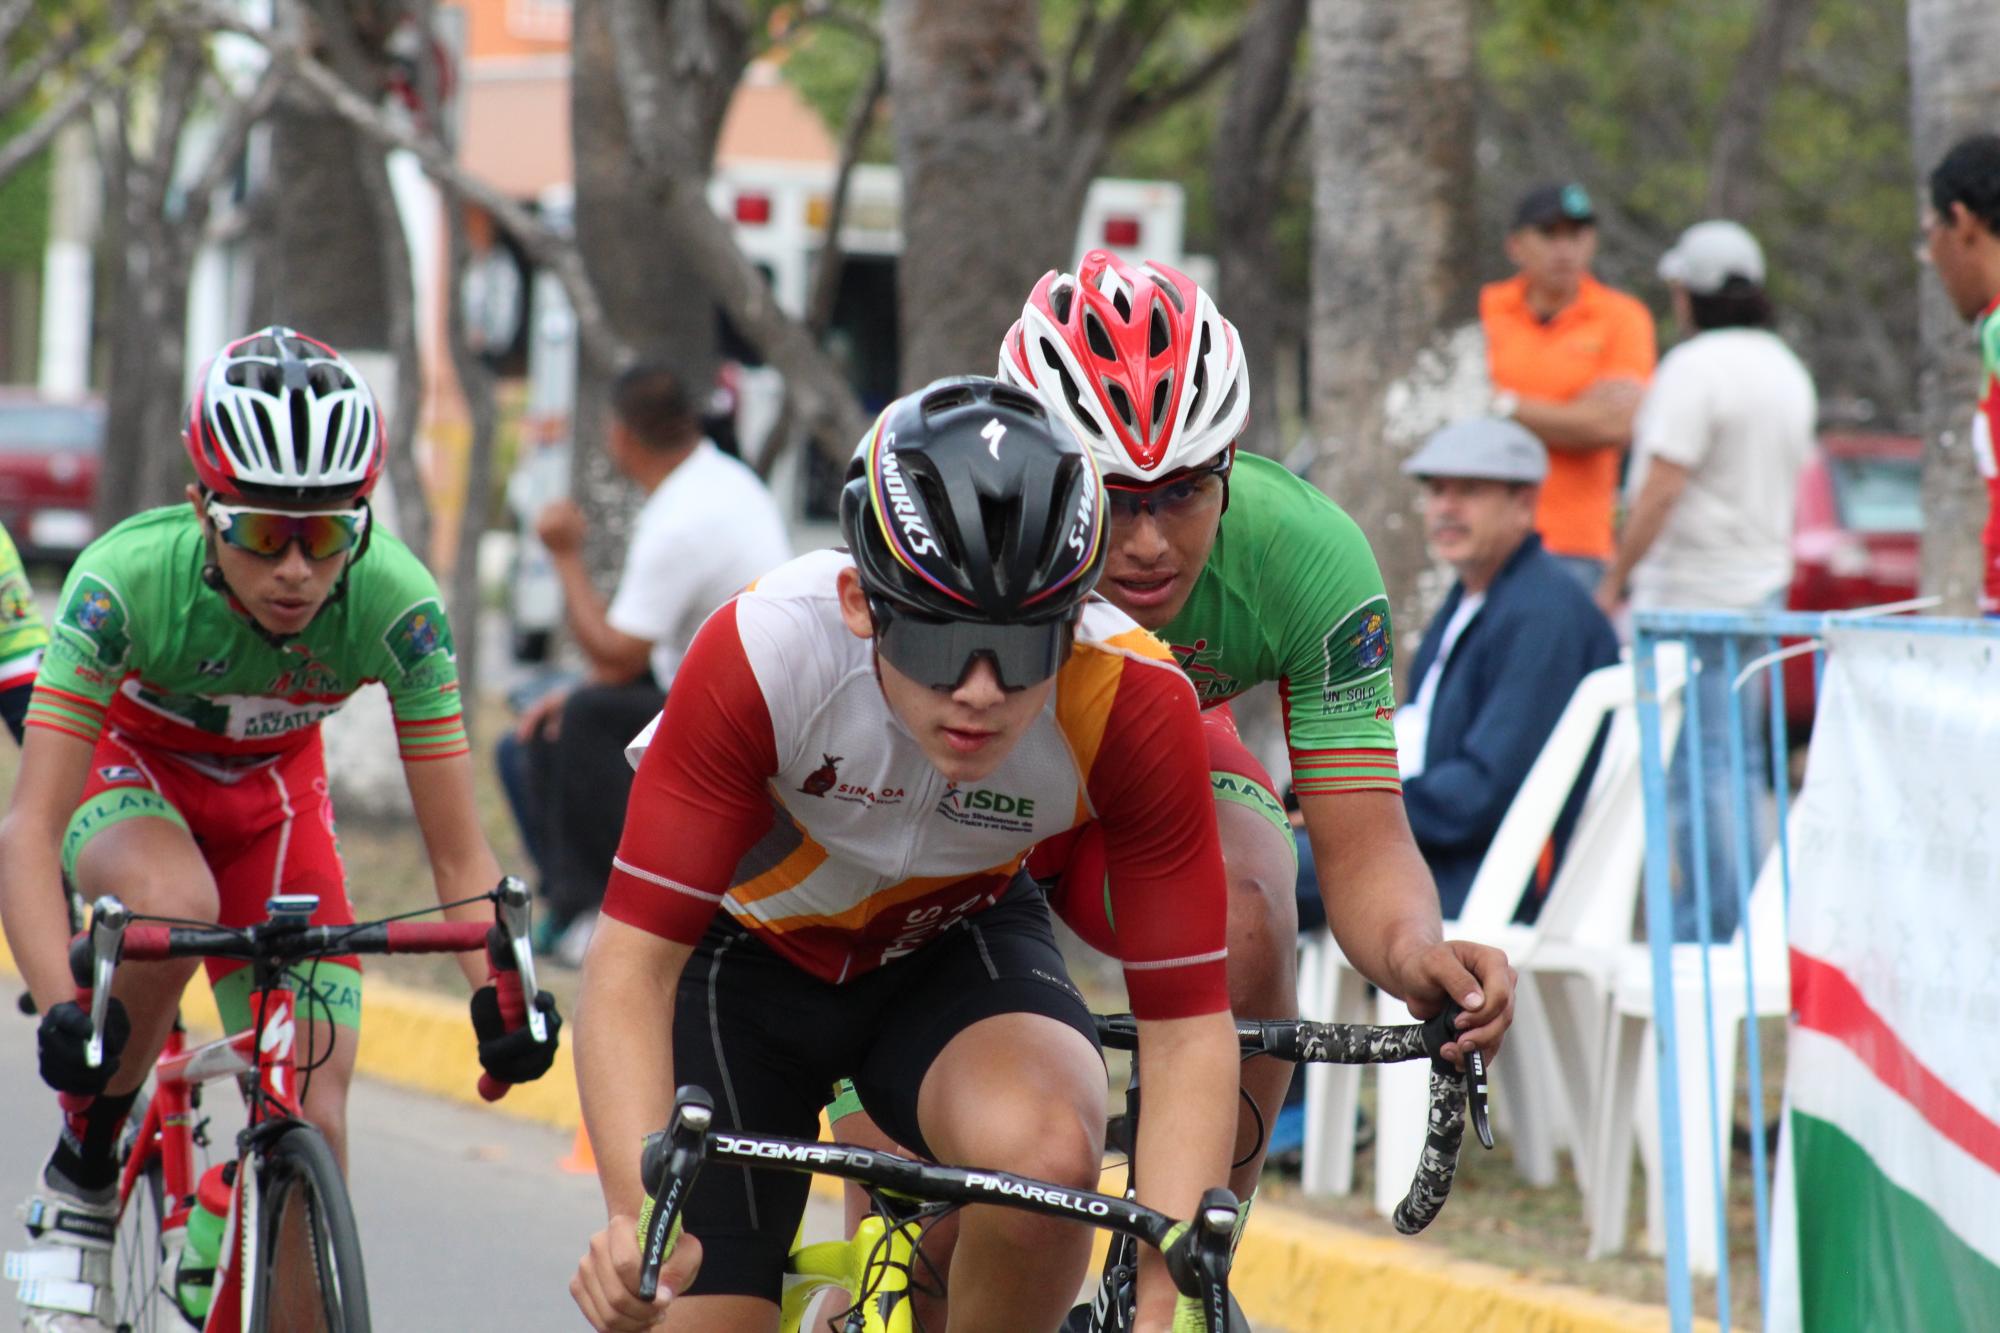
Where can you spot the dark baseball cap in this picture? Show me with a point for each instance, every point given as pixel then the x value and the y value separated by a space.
pixel 1547 205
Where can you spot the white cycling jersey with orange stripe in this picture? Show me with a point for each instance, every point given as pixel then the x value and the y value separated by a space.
pixel 779 786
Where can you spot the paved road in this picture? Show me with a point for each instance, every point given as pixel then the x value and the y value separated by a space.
pixel 466 1221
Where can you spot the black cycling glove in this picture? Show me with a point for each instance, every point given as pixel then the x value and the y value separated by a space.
pixel 64 1032
pixel 513 1057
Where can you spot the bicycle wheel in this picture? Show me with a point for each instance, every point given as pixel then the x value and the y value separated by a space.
pixel 308 1264
pixel 141 1267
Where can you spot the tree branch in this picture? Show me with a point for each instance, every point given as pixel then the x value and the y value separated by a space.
pixel 24 146
pixel 826 401
pixel 25 80
pixel 13 14
pixel 544 245
pixel 1079 38
pixel 1142 104
pixel 826 267
pixel 239 116
pixel 826 15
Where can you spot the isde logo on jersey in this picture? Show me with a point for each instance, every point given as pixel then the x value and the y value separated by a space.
pixel 980 807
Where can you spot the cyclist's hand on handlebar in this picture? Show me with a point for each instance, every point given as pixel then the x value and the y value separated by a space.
pixel 606 1285
pixel 513 1057
pixel 1477 978
pixel 64 1032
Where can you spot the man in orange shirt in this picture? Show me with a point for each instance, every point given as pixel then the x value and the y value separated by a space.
pixel 1569 358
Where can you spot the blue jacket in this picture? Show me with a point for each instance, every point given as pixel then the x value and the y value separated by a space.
pixel 1504 685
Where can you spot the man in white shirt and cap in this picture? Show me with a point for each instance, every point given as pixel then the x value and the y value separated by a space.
pixel 1723 433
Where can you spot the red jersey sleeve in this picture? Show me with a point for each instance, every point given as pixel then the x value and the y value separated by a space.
pixel 1149 784
pixel 699 800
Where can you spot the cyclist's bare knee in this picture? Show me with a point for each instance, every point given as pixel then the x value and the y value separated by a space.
pixel 153 866
pixel 1017 1092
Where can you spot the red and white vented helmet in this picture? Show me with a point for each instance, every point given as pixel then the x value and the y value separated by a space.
pixel 280 416
pixel 1135 360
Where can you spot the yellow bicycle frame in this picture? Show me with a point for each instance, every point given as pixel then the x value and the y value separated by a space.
pixel 873 1260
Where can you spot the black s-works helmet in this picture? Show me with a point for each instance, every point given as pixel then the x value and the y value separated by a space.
pixel 967 504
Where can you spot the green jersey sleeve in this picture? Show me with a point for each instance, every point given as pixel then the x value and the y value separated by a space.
pixel 90 649
pixel 22 636
pixel 1336 652
pixel 417 659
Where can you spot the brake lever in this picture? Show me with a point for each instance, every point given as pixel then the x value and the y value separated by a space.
pixel 107 941
pixel 516 916
pixel 1475 1097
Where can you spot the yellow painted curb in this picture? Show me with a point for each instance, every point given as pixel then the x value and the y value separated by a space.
pixel 1293 1270
pixel 1302 1273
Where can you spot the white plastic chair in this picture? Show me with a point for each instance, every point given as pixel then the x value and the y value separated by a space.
pixel 1628 1105
pixel 1595 867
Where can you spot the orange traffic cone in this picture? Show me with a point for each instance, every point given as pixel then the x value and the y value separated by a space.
pixel 581 1160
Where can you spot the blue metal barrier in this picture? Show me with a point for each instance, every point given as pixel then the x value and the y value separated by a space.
pixel 1717 643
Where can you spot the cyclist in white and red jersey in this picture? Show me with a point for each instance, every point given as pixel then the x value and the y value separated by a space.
pixel 1250 575
pixel 819 876
pixel 173 757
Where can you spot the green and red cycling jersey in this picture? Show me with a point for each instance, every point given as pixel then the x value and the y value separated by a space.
pixel 22 636
pixel 143 646
pixel 1985 441
pixel 1291 593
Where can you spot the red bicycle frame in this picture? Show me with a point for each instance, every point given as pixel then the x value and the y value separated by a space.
pixel 265 1053
pixel 166 1134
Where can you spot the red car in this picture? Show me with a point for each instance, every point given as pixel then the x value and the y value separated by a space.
pixel 1854 538
pixel 49 454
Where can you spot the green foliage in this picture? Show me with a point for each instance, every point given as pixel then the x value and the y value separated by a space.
pixel 24 201
pixel 1627 96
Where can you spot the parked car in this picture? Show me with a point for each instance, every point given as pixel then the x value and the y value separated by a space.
pixel 49 453
pixel 1854 539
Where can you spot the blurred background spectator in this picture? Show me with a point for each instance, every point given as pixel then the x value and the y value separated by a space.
pixel 1725 430
pixel 1569 357
pixel 1500 659
pixel 708 527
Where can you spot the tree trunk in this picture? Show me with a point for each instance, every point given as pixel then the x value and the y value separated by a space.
pixel 1393 260
pixel 655 295
pixel 1953 94
pixel 982 214
pixel 318 265
pixel 335 262
pixel 475 381
pixel 1735 158
pixel 1253 146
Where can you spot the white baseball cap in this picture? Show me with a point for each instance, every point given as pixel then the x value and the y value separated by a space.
pixel 1709 254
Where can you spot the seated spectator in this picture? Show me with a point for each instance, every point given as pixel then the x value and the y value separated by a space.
pixel 707 529
pixel 1499 663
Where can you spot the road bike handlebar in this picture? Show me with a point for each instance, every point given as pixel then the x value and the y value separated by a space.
pixel 1456 1095
pixel 1197 1258
pixel 117 935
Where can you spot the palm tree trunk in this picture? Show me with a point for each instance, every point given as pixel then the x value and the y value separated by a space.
pixel 1394 352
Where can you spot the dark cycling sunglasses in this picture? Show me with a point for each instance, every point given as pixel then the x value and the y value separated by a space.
pixel 1174 498
pixel 939 653
pixel 320 533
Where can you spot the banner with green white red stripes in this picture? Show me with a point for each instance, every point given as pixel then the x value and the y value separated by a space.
pixel 1892 1078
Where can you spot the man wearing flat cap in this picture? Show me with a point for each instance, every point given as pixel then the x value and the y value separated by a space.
pixel 1500 660
pixel 1569 358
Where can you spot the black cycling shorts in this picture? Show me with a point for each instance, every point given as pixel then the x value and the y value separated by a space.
pixel 768 1041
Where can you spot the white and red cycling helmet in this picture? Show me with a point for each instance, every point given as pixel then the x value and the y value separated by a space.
pixel 1135 360
pixel 280 416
